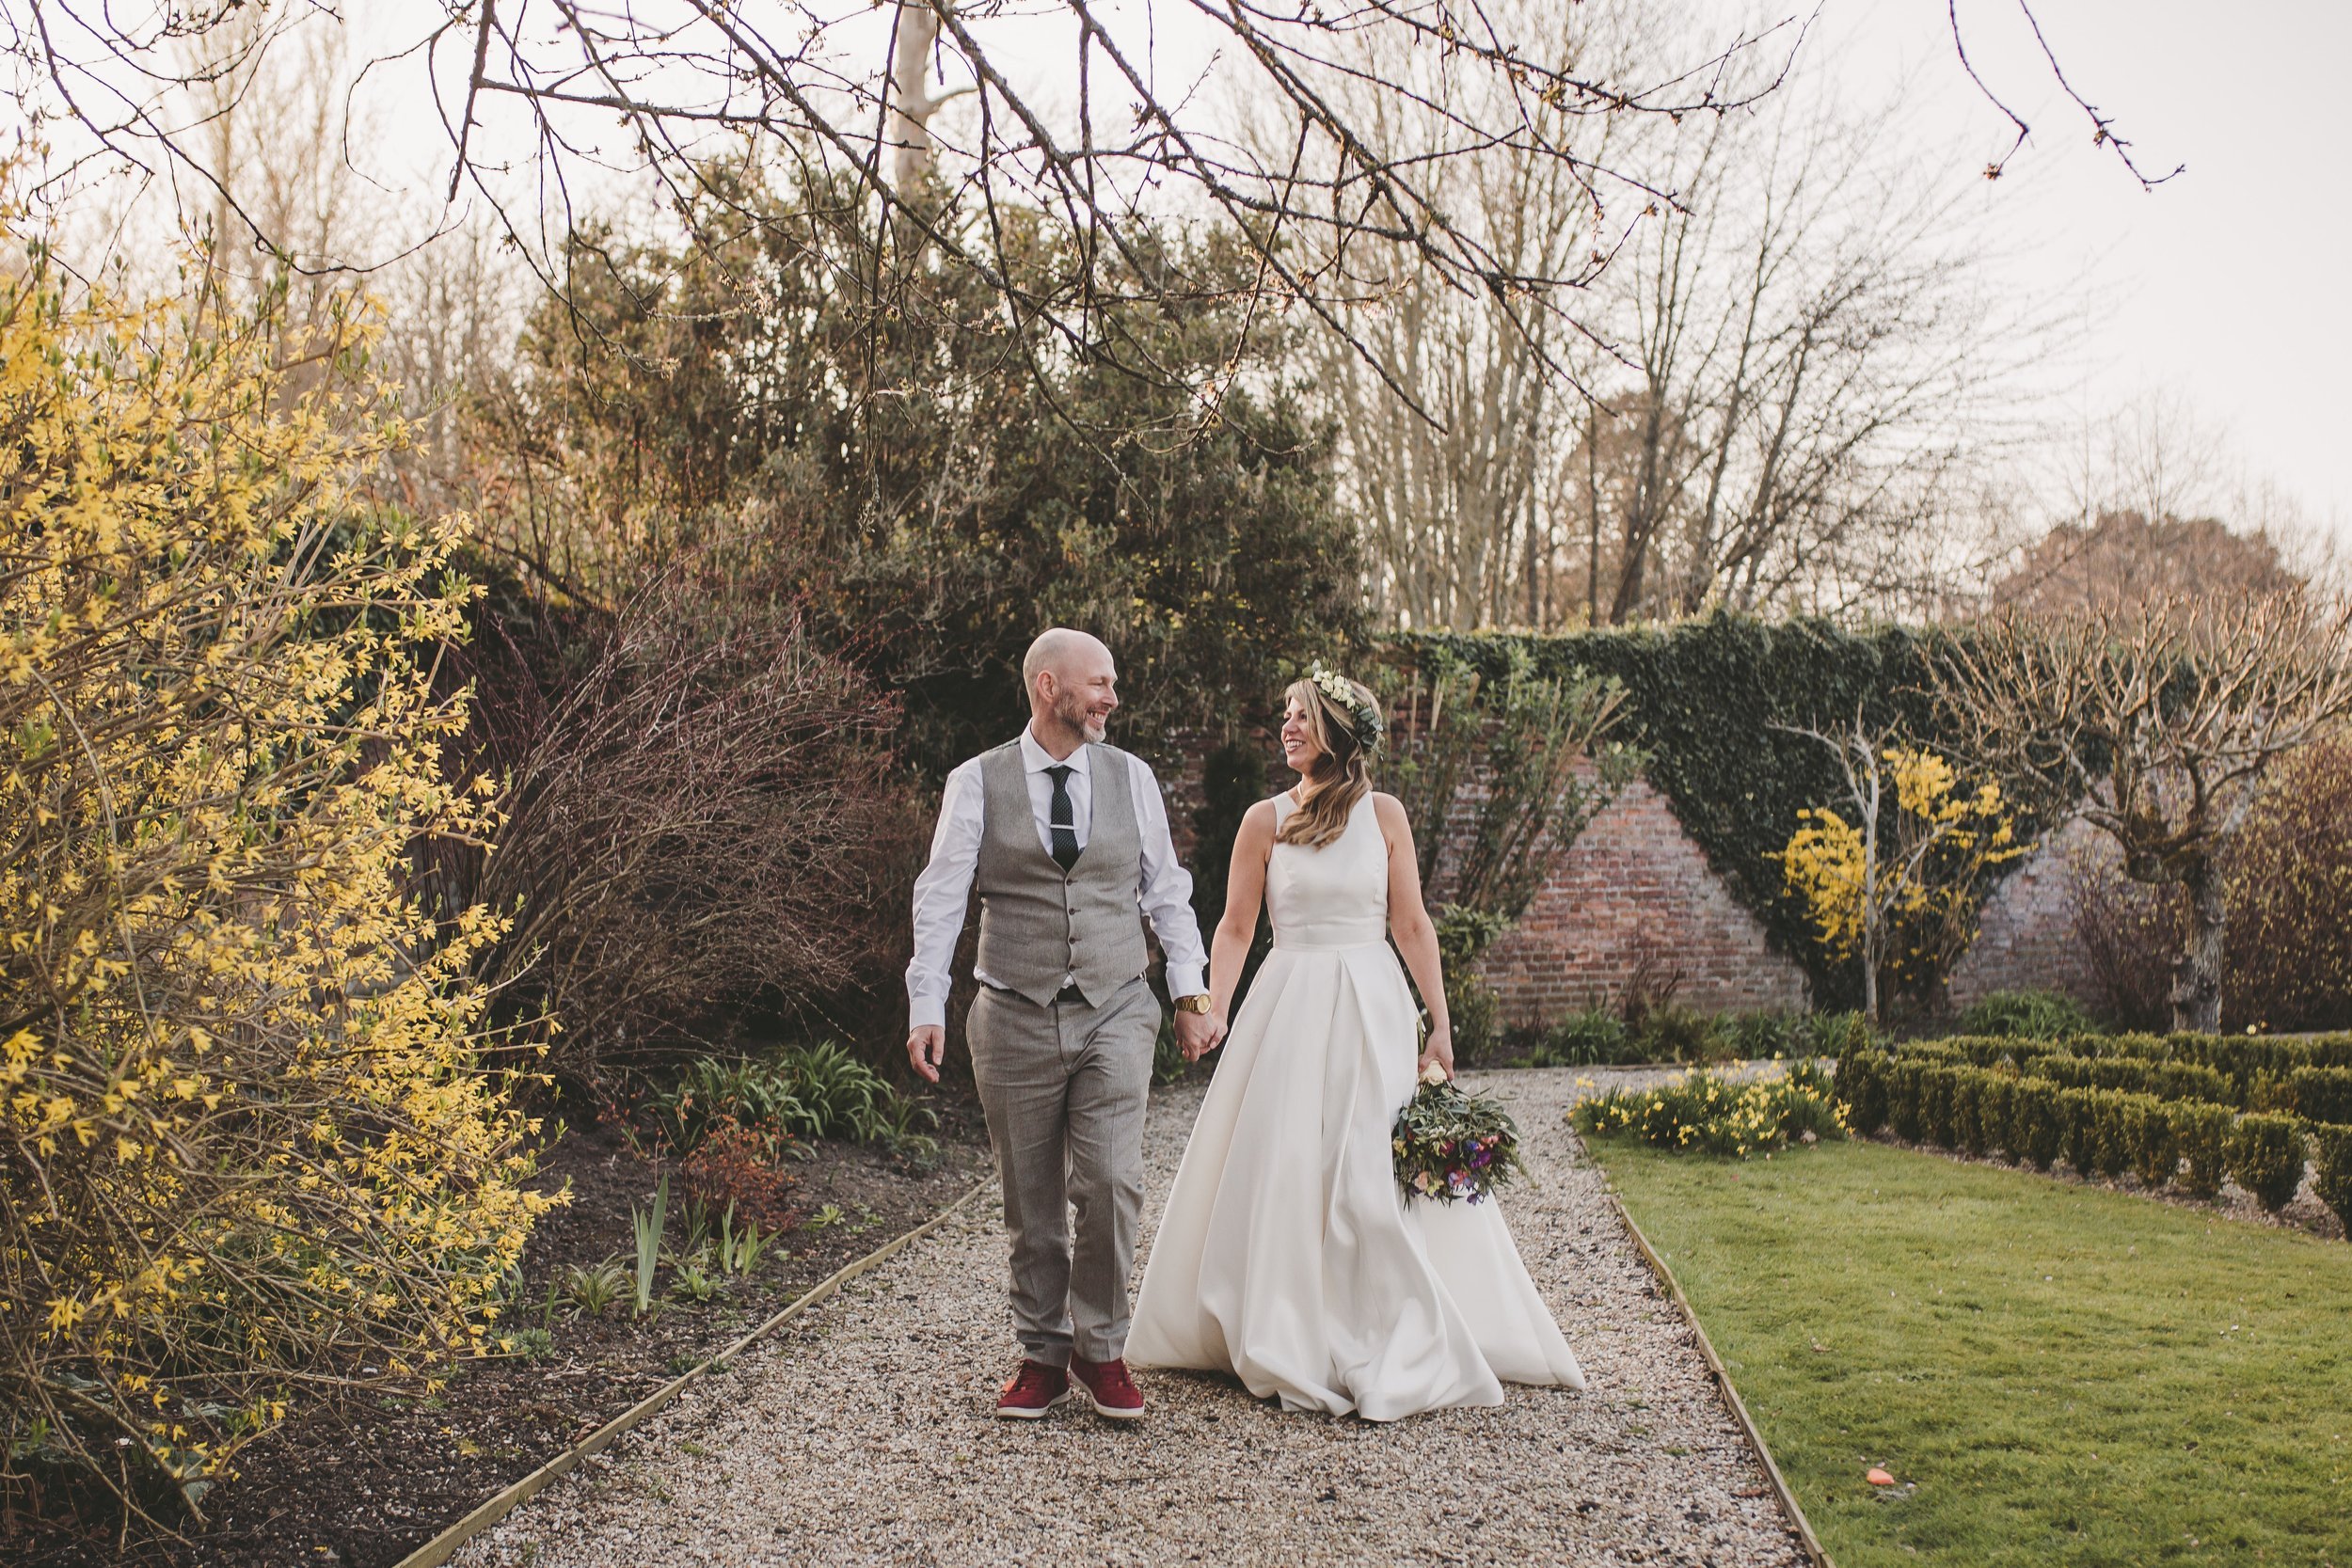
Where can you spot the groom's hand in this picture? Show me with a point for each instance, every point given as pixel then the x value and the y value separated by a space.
pixel 1197 1033
pixel 926 1047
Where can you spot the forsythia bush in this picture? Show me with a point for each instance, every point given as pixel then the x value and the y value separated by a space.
pixel 1902 895
pixel 245 1146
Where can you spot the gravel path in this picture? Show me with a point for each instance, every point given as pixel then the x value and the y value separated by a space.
pixel 862 1433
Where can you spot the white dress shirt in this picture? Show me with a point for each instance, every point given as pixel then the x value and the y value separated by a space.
pixel 944 890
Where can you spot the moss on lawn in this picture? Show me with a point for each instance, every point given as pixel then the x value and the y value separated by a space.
pixel 2055 1375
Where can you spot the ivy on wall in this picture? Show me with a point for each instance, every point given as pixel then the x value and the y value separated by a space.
pixel 1707 696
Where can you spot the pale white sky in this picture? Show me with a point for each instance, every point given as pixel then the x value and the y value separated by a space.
pixel 2226 287
pixel 2223 289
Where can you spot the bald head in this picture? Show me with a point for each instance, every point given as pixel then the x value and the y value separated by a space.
pixel 1073 685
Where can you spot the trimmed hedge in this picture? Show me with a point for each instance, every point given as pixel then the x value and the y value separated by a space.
pixel 2187 1140
pixel 2321 1093
pixel 2332 1154
pixel 2165 1080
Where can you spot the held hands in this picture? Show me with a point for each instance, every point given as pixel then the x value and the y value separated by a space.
pixel 1438 1051
pixel 1198 1034
pixel 926 1047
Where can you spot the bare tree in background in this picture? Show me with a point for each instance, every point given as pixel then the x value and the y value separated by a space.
pixel 1776 382
pixel 533 95
pixel 529 93
pixel 2156 722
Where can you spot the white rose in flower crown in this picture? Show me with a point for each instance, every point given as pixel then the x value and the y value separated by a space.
pixel 1433 1074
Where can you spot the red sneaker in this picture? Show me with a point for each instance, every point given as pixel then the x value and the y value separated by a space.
pixel 1105 1386
pixel 1032 1392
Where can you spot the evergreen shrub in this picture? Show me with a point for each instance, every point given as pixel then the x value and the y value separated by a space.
pixel 2202 1133
pixel 2265 1157
pixel 2322 1093
pixel 1592 1037
pixel 2047 1015
pixel 2331 1151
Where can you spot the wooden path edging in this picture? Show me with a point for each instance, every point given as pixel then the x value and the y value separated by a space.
pixel 1805 1538
pixel 443 1547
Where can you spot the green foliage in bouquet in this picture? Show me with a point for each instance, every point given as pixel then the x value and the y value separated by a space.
pixel 1700 1112
pixel 1453 1147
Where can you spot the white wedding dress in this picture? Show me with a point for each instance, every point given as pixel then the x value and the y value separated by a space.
pixel 1285 1254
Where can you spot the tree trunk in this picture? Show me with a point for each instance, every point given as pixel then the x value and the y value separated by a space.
pixel 2197 972
pixel 912 105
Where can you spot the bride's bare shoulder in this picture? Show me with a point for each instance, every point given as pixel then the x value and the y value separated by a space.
pixel 1257 821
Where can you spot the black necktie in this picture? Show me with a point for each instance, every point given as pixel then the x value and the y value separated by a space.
pixel 1063 817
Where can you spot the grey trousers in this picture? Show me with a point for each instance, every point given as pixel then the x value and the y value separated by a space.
pixel 1063 1087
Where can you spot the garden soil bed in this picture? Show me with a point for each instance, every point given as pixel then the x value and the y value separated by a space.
pixel 368 1483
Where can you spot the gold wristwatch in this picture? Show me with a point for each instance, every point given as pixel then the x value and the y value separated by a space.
pixel 1197 1002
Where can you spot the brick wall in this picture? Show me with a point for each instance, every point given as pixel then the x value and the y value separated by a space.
pixel 1636 890
pixel 1635 887
pixel 2026 934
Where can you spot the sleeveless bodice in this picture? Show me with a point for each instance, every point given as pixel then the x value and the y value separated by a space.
pixel 1334 896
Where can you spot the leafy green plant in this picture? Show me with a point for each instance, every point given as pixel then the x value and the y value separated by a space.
pixel 801 1092
pixel 739 1250
pixel 2322 1093
pixel 1675 1032
pixel 2202 1133
pixel 2046 1015
pixel 2265 1157
pixel 690 1277
pixel 2331 1152
pixel 529 1344
pixel 647 1226
pixel 593 1287
pixel 1593 1037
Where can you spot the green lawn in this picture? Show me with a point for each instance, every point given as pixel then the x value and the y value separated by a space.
pixel 2054 1375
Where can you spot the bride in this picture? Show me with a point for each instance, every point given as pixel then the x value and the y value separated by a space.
pixel 1285 1255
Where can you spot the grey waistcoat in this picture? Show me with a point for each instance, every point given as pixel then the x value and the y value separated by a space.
pixel 1038 924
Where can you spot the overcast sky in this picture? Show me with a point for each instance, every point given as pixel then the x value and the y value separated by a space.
pixel 2223 289
pixel 2226 287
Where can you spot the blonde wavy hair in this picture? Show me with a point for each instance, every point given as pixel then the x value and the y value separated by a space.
pixel 1336 778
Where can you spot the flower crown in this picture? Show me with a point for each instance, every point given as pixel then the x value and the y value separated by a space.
pixel 1363 719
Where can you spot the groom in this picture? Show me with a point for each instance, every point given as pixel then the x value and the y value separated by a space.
pixel 1066 840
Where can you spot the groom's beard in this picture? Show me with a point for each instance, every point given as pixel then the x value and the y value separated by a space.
pixel 1079 717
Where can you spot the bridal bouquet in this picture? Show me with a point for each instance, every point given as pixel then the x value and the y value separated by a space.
pixel 1452 1146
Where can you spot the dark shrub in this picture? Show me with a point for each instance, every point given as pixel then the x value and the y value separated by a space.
pixel 2027 1014
pixel 2040 1122
pixel 2078 1113
pixel 1860 1083
pixel 1937 1091
pixel 705 809
pixel 1757 1035
pixel 1673 1033
pixel 2322 1093
pixel 1998 1091
pixel 2132 1075
pixel 2155 1148
pixel 1905 1097
pixel 2202 1133
pixel 2332 1154
pixel 1834 1033
pixel 1968 1124
pixel 2288 880
pixel 1595 1037
pixel 2265 1157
